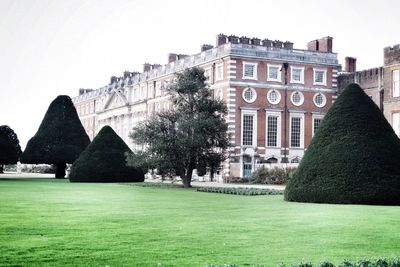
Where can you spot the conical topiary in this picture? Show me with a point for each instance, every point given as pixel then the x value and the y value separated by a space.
pixel 104 160
pixel 60 139
pixel 353 158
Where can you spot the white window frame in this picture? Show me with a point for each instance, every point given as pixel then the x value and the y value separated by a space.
pixel 158 89
pixel 207 70
pixel 279 73
pixel 254 76
pixel 301 74
pixel 396 84
pixel 254 95
pixel 219 76
pixel 277 100
pixel 301 116
pixel 254 114
pixel 323 100
pixel 323 78
pixel 316 116
pixel 396 123
pixel 301 101
pixel 279 126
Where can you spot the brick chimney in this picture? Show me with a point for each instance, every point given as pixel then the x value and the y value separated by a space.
pixel 221 39
pixel 350 64
pixel 126 74
pixel 172 57
pixel 146 67
pixel 155 66
pixel 205 47
pixel 267 43
pixel 325 44
pixel 255 41
pixel 244 40
pixel 277 44
pixel 233 39
pixel 321 45
pixel 288 45
pixel 113 79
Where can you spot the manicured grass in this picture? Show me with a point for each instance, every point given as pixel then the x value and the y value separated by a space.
pixel 57 223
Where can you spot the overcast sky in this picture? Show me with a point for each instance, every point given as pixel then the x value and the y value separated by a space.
pixel 53 47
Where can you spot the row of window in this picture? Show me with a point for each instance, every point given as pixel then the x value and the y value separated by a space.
pixel 274 73
pixel 273 129
pixel 274 97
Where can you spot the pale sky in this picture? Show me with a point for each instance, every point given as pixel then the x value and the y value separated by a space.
pixel 53 47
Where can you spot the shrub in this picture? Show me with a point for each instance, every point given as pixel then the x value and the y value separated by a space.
pixel 274 175
pixel 104 160
pixel 240 191
pixel 352 159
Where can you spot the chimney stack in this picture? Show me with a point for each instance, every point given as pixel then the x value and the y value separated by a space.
pixel 244 40
pixel 113 79
pixel 255 41
pixel 321 45
pixel 205 47
pixel 288 45
pixel 233 39
pixel 221 39
pixel 350 64
pixel 146 67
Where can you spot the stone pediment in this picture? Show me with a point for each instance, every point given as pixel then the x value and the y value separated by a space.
pixel 115 99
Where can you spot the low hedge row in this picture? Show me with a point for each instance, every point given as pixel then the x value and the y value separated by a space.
pixel 154 184
pixel 381 262
pixel 240 191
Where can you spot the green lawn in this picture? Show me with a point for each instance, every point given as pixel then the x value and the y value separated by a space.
pixel 57 223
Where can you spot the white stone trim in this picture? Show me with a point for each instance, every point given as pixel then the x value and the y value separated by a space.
pixel 254 114
pixel 301 75
pixel 279 128
pixel 324 71
pixel 297 115
pixel 323 100
pixel 301 98
pixel 254 95
pixel 279 78
pixel 255 69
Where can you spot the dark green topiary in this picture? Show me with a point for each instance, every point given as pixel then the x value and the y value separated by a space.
pixel 60 139
pixel 104 160
pixel 10 149
pixel 353 158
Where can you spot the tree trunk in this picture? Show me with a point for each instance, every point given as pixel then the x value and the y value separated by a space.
pixel 1 168
pixel 60 170
pixel 211 175
pixel 187 178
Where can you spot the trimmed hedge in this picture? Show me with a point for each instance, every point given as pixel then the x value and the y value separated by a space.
pixel 240 191
pixel 104 161
pixel 60 138
pixel 380 262
pixel 354 158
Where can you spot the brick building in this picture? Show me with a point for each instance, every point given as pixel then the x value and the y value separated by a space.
pixel 382 84
pixel 276 96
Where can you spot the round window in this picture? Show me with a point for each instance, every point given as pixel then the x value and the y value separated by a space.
pixel 297 98
pixel 273 96
pixel 249 95
pixel 319 100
